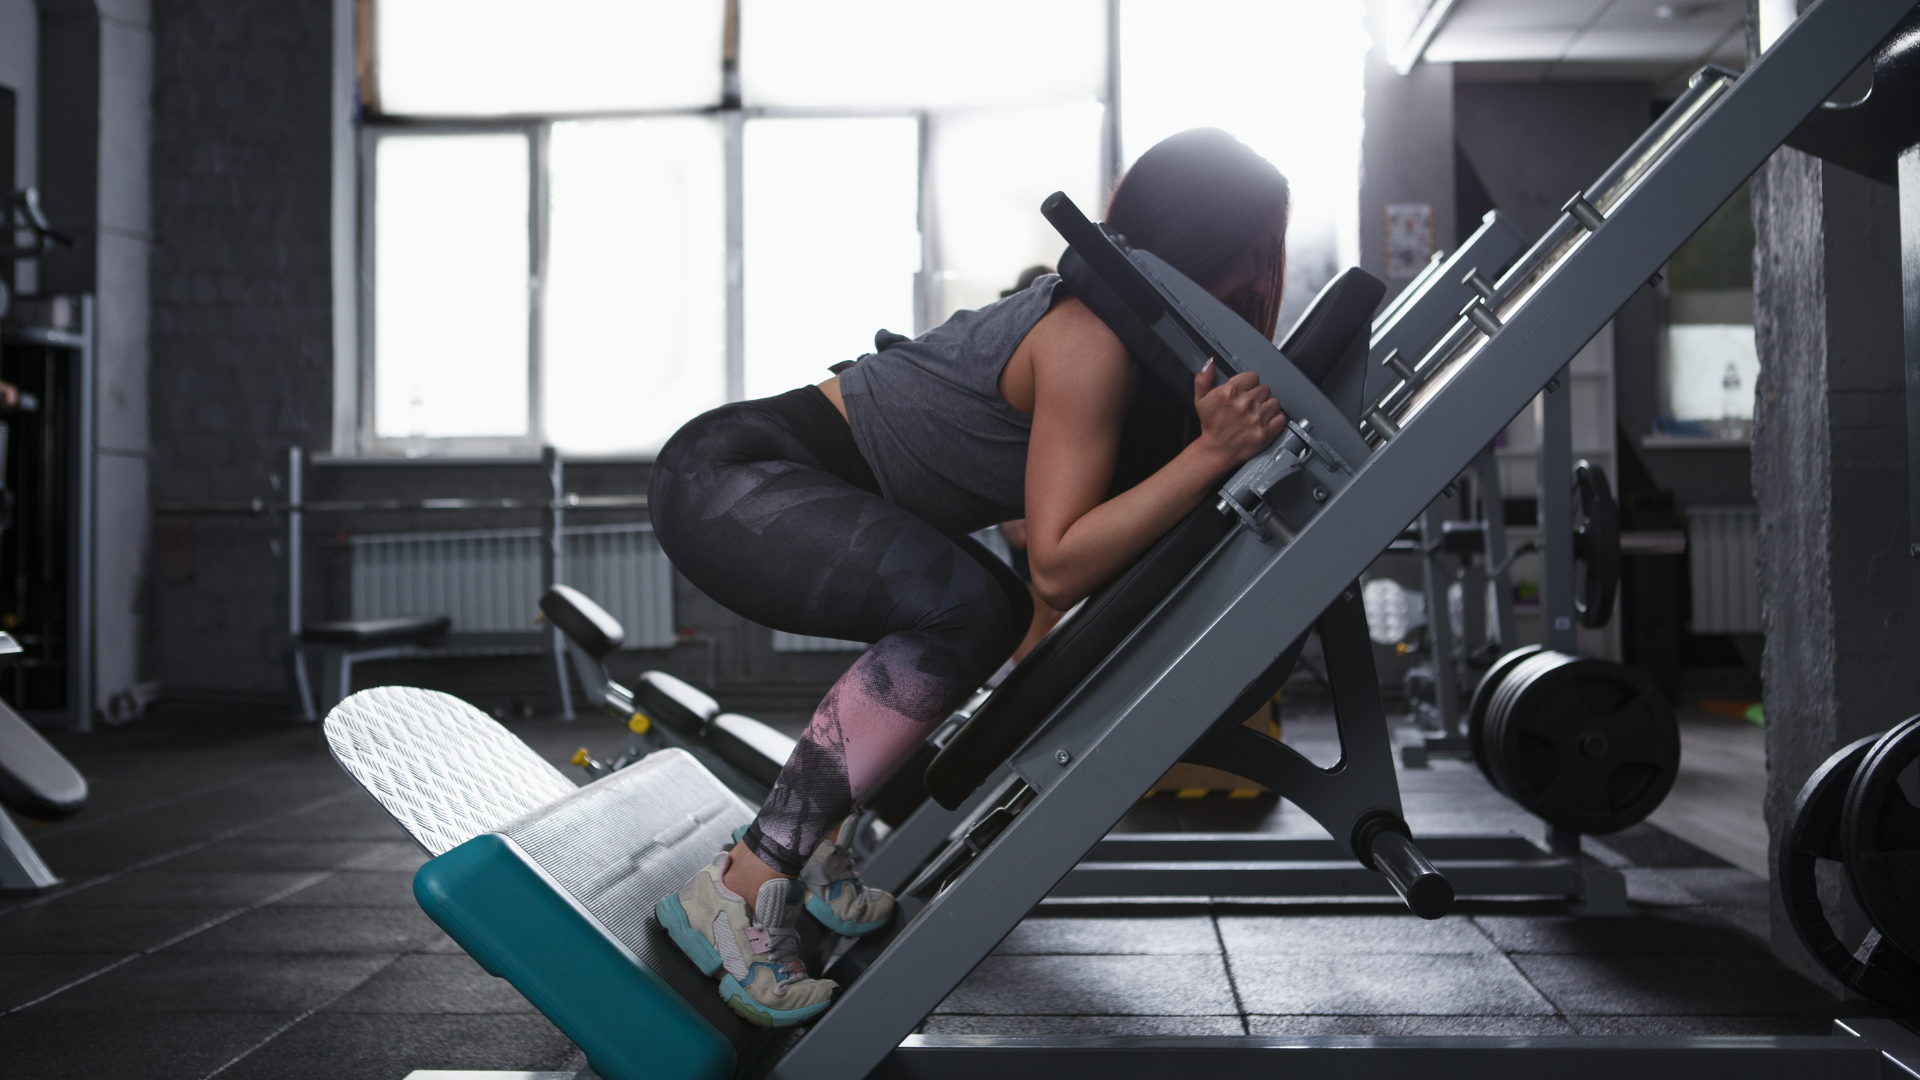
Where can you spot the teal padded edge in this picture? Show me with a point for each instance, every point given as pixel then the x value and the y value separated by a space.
pixel 513 918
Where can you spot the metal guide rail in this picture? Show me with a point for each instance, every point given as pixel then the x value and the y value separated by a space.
pixel 1316 509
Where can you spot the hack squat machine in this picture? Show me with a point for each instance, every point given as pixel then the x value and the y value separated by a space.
pixel 553 887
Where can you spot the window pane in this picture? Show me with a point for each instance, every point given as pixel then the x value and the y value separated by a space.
pixel 888 53
pixel 635 320
pixel 492 57
pixel 1711 369
pixel 450 293
pixel 1284 77
pixel 832 243
pixel 991 169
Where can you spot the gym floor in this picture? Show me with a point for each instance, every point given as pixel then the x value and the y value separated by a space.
pixel 236 907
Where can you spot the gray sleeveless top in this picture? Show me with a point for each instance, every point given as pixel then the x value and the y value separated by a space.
pixel 928 416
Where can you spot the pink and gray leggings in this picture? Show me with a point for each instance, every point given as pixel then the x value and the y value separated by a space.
pixel 766 507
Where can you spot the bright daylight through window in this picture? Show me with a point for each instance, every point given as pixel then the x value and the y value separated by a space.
pixel 577 239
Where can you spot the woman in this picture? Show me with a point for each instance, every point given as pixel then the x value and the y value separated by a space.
pixel 842 510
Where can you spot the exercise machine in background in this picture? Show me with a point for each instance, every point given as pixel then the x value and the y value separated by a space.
pixel 35 782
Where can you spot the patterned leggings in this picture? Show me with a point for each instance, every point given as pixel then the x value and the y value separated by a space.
pixel 757 521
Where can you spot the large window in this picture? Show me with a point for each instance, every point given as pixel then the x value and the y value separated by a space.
pixel 586 221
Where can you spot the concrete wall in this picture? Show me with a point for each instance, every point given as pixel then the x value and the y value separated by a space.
pixel 1829 445
pixel 1409 133
pixel 242 319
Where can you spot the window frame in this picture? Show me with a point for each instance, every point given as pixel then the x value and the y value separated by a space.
pixel 733 117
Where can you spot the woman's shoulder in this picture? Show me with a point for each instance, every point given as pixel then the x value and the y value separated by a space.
pixel 1070 328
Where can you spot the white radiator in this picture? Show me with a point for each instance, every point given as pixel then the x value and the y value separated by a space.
pixel 1722 550
pixel 489 580
pixel 785 642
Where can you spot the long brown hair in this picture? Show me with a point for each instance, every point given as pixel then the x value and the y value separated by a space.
pixel 1204 201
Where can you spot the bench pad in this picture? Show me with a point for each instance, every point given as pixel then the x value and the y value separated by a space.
pixel 35 780
pixel 584 622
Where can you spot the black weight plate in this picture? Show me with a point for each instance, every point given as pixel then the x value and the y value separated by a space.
pixel 1596 545
pixel 1588 745
pixel 1483 697
pixel 1500 703
pixel 1880 838
pixel 1813 833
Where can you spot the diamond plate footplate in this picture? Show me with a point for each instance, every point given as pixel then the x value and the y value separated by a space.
pixel 619 844
pixel 446 771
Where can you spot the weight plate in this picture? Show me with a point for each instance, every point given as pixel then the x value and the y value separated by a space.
pixel 1588 745
pixel 1483 697
pixel 1501 702
pixel 1596 545
pixel 1875 969
pixel 1880 838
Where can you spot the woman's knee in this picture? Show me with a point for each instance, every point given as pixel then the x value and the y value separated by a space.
pixel 979 623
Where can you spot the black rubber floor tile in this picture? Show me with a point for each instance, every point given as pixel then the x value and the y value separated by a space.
pixel 1262 935
pixel 81 855
pixel 335 1046
pixel 276 929
pixel 1054 935
pixel 1384 984
pixel 1714 985
pixel 944 1024
pixel 1656 930
pixel 428 983
pixel 1094 986
pixel 358 888
pixel 184 982
pixel 1728 887
pixel 439 944
pixel 26 977
pixel 1703 1025
pixel 173 888
pixel 1408 1025
pixel 399 855
pixel 148 1046
pixel 245 854
pixel 55 928
pixel 330 826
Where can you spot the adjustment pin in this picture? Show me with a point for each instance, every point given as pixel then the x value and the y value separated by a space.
pixel 1400 366
pixel 1477 314
pixel 1382 423
pixel 1583 212
pixel 1478 284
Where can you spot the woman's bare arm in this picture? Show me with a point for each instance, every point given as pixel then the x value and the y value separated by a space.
pixel 1081 383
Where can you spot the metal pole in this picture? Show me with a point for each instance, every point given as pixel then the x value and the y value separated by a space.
pixel 80 644
pixel 1909 178
pixel 296 514
pixel 1554 457
pixel 296 580
pixel 1435 565
pixel 734 134
pixel 1494 512
pixel 553 567
pixel 1110 148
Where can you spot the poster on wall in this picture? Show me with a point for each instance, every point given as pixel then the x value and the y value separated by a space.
pixel 1409 238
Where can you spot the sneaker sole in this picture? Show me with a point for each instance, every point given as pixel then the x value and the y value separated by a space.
pixel 673 919
pixel 753 1012
pixel 824 912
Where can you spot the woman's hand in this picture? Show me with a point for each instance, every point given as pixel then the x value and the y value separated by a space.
pixel 1238 418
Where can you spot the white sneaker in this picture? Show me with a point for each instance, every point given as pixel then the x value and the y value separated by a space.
pixel 765 982
pixel 835 895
